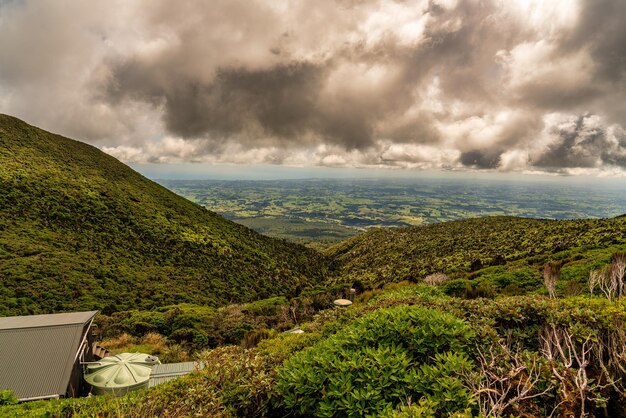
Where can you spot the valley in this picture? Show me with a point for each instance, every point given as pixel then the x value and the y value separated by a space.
pixel 296 209
pixel 319 212
pixel 467 314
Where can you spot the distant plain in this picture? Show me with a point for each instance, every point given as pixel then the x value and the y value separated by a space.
pixel 324 211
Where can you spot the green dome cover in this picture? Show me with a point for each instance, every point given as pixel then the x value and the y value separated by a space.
pixel 120 373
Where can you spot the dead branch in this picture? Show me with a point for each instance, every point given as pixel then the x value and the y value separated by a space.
pixel 551 273
pixel 505 379
pixel 559 346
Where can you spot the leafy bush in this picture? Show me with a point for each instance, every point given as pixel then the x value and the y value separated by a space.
pixel 379 362
pixel 265 307
pixel 284 346
pixel 253 338
pixel 7 397
pixel 456 287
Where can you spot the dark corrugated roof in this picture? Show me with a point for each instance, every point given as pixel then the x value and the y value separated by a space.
pixel 37 353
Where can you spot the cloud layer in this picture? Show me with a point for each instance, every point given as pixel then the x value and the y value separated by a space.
pixel 452 84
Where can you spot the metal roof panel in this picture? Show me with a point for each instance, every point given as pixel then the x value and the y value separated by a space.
pixel 33 321
pixel 174 368
pixel 37 353
pixel 162 373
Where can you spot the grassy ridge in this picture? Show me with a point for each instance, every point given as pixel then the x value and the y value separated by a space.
pixel 80 230
pixel 461 247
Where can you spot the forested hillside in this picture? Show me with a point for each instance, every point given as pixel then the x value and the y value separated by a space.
pixel 80 230
pixel 466 248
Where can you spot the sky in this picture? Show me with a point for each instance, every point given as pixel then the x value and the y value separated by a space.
pixel 495 86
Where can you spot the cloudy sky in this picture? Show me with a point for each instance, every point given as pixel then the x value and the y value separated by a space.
pixel 521 86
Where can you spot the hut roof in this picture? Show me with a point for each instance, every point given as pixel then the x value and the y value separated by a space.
pixel 38 352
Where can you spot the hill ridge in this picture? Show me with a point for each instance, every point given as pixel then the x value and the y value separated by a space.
pixel 459 247
pixel 74 219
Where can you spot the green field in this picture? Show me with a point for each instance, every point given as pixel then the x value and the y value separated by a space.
pixel 328 211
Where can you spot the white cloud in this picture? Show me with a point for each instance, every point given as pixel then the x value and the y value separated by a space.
pixel 514 86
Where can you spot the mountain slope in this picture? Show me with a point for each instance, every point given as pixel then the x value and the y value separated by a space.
pixel 389 255
pixel 80 230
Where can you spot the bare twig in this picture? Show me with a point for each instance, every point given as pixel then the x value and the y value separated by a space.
pixel 505 379
pixel 551 273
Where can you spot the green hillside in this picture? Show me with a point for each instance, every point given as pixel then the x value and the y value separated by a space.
pixel 461 247
pixel 80 230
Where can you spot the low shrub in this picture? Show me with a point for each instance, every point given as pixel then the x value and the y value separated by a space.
pixel 254 337
pixel 7 397
pixel 265 307
pixel 378 362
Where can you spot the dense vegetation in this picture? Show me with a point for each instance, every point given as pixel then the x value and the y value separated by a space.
pixel 80 230
pixel 409 351
pixel 464 249
pixel 176 332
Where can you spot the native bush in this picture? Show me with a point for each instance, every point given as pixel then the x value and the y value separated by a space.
pixel 379 362
pixel 265 307
pixel 7 397
pixel 456 287
pixel 254 337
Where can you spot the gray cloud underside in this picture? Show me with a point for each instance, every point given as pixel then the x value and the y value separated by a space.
pixel 534 86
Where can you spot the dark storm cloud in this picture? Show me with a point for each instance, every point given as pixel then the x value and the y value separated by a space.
pixel 583 144
pixel 282 102
pixel 487 84
pixel 282 99
pixel 480 159
pixel 285 100
pixel 600 33
pixel 601 28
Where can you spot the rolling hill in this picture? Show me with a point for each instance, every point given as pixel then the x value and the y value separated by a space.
pixel 462 247
pixel 81 230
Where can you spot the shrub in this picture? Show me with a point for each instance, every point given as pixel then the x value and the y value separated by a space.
pixel 243 379
pixel 254 337
pixel 191 337
pixel 378 363
pixel 174 353
pixel 512 290
pixel 368 295
pixel 285 345
pixel 265 307
pixel 456 287
pixel 154 339
pixel 485 290
pixel 7 397
pixel 121 342
pixel 142 328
